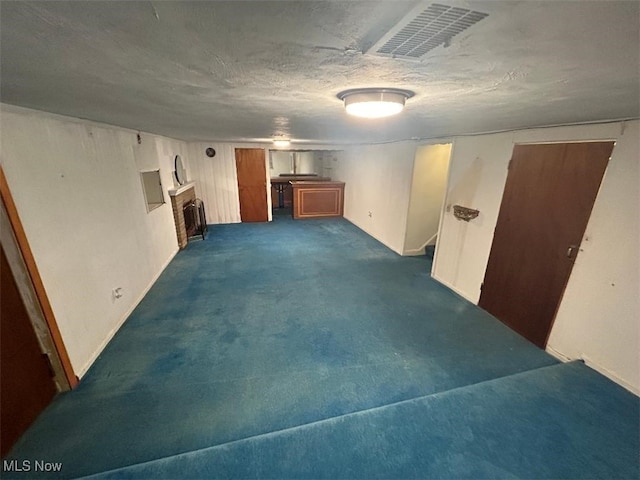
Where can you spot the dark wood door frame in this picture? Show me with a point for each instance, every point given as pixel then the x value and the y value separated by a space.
pixel 59 356
pixel 548 198
pixel 28 386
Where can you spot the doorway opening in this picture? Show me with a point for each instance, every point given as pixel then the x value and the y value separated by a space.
pixel 426 201
pixel 35 363
pixel 291 165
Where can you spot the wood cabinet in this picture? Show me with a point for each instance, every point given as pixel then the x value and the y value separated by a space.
pixel 312 199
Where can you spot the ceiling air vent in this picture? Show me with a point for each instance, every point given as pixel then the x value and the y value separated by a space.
pixel 424 29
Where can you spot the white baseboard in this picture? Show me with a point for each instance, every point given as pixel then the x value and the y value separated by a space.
pixel 557 355
pixel 610 375
pixel 595 366
pixel 450 286
pixel 123 319
pixel 372 236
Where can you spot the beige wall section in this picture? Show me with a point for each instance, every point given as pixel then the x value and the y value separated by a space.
pixel 427 196
pixel 377 185
pixel 598 316
pixel 79 195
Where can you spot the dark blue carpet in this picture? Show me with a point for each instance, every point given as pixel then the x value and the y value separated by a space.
pixel 265 327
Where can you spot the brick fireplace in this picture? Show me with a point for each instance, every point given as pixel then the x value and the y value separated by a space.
pixel 181 196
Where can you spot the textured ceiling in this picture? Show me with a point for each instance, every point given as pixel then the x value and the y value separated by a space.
pixel 249 70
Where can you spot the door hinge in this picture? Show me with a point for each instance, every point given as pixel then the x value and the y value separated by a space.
pixel 481 286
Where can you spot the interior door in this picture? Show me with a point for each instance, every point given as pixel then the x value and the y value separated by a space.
pixel 26 381
pixel 252 184
pixel 545 208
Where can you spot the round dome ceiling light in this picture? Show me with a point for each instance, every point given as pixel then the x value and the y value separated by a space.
pixel 374 102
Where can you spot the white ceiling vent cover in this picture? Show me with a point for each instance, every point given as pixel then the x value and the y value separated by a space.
pixel 423 29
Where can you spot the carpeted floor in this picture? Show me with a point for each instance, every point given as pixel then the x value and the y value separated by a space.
pixel 307 349
pixel 548 423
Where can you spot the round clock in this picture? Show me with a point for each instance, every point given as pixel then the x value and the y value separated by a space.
pixel 210 152
pixel 181 173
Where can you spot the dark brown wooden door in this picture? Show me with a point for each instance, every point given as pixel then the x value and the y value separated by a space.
pixel 545 208
pixel 252 184
pixel 26 380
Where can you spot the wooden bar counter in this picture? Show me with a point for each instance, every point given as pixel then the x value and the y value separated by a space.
pixel 312 199
pixel 281 194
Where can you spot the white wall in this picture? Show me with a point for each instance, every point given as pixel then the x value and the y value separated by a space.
pixel 377 180
pixel 599 316
pixel 477 174
pixel 216 181
pixel 327 159
pixel 79 195
pixel 428 189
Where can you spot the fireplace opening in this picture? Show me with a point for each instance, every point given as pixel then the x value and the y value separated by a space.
pixel 195 219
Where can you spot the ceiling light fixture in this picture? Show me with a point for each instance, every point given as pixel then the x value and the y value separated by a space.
pixel 374 102
pixel 280 143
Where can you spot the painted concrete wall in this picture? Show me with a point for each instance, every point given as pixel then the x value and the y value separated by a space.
pixel 377 186
pixel 599 315
pixel 79 195
pixel 428 189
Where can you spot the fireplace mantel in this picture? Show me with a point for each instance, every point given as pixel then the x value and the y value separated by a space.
pixel 181 196
pixel 182 188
